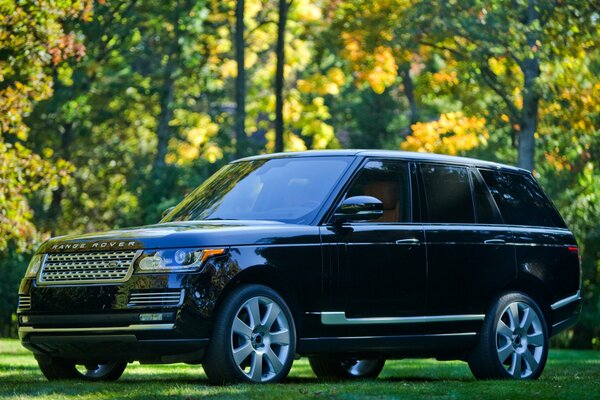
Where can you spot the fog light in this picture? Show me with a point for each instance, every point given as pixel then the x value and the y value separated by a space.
pixel 151 317
pixel 24 319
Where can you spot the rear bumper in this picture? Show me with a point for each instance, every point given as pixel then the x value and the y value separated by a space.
pixel 565 313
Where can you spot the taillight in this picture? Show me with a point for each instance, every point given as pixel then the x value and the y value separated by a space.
pixel 573 249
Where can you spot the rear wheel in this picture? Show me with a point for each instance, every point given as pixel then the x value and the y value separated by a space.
pixel 339 368
pixel 254 339
pixel 59 369
pixel 513 343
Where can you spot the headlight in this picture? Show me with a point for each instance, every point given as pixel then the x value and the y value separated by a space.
pixel 175 260
pixel 34 266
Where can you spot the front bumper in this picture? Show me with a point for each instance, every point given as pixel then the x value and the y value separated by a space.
pixel 107 322
pixel 111 337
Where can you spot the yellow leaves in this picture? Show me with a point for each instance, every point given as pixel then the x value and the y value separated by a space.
pixel 320 84
pixel 307 11
pixel 197 141
pixel 377 68
pixel 445 76
pixel 229 69
pixel 453 133
pixel 498 66
pixel 23 172
pixel 384 71
pixel 557 161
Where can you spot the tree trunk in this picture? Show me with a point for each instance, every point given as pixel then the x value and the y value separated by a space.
pixel 166 94
pixel 409 92
pixel 55 208
pixel 165 116
pixel 531 97
pixel 280 53
pixel 240 82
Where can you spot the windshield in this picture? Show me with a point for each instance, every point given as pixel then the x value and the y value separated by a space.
pixel 282 189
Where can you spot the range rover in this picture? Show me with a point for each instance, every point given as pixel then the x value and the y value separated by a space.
pixel 346 257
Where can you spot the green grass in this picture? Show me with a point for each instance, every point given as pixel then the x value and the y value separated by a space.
pixel 569 375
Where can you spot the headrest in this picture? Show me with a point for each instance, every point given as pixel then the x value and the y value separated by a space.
pixel 387 192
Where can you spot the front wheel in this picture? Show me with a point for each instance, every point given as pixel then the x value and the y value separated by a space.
pixel 59 369
pixel 254 338
pixel 338 368
pixel 513 342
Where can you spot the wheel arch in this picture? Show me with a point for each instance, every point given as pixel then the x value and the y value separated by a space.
pixel 268 276
pixel 534 288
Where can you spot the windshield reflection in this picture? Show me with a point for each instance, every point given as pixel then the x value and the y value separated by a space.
pixel 288 190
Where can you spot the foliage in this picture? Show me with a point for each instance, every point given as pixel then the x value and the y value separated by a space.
pixel 34 45
pixel 452 133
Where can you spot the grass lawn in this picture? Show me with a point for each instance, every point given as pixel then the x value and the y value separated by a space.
pixel 569 375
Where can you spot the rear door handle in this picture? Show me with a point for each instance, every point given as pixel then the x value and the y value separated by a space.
pixel 408 241
pixel 494 241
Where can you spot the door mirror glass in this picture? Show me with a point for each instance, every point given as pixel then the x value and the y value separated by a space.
pixel 359 208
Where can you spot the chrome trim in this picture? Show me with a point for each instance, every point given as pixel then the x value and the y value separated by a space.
pixel 138 327
pixel 411 241
pixel 130 269
pixel 494 241
pixel 24 303
pixel 566 300
pixel 339 318
pixel 157 299
pixel 427 335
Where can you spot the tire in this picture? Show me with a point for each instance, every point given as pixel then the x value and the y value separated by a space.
pixel 338 368
pixel 59 369
pixel 513 342
pixel 253 340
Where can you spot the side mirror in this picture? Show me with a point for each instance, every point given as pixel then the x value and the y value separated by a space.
pixel 359 208
pixel 168 210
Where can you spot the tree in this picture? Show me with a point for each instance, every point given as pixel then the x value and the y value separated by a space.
pixel 240 80
pixel 35 45
pixel 521 34
pixel 279 73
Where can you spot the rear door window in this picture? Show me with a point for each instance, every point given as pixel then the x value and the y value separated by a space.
pixel 521 200
pixel 448 197
pixel 485 207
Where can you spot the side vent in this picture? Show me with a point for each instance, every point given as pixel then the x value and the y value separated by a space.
pixel 156 299
pixel 24 303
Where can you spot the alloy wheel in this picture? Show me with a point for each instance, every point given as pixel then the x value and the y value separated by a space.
pixel 520 340
pixel 260 339
pixel 360 368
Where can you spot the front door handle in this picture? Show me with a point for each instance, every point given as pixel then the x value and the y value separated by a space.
pixel 408 241
pixel 494 241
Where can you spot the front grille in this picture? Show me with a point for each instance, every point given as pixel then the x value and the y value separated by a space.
pixel 24 303
pixel 88 267
pixel 156 299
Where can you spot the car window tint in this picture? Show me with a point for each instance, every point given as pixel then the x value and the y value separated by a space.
pixel 280 189
pixel 387 181
pixel 521 200
pixel 485 207
pixel 448 194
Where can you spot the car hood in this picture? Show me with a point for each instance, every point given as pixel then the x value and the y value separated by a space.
pixel 186 234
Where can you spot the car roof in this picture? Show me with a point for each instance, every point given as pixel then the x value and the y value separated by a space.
pixel 405 155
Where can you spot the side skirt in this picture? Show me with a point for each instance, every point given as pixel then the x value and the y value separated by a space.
pixel 419 346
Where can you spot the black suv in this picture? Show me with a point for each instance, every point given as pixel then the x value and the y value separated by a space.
pixel 346 257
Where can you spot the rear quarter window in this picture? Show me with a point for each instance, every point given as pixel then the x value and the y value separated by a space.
pixel 521 200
